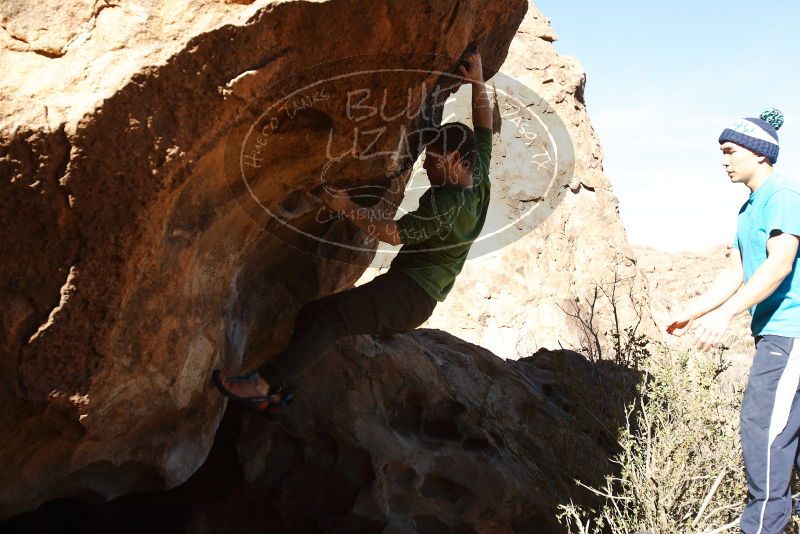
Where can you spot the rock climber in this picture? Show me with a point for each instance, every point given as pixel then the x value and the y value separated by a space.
pixel 436 239
pixel 762 276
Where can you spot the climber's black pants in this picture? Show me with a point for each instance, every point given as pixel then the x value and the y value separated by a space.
pixel 390 303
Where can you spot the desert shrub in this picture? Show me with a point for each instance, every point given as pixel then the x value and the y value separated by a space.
pixel 608 317
pixel 680 465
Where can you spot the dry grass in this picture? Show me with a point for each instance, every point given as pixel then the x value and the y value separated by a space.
pixel 680 467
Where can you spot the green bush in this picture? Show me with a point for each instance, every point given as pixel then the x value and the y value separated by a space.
pixel 680 463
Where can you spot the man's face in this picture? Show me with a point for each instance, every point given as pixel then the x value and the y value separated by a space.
pixel 438 166
pixel 740 163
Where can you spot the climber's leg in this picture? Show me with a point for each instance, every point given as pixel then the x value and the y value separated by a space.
pixel 390 303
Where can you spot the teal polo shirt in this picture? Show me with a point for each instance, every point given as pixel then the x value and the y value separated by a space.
pixel 775 206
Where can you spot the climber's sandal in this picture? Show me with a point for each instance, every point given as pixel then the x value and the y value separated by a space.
pixel 259 403
pixel 274 408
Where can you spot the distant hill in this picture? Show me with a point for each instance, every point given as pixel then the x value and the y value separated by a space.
pixel 674 278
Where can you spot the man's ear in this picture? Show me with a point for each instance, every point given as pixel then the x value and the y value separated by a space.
pixel 463 162
pixel 760 158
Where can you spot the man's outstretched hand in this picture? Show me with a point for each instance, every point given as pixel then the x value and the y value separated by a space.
pixel 679 324
pixel 680 320
pixel 473 72
pixel 707 329
pixel 711 327
pixel 679 327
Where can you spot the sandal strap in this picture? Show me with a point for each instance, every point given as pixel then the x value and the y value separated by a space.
pixel 284 400
pixel 243 378
pixel 286 394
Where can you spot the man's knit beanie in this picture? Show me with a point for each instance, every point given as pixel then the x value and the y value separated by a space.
pixel 758 135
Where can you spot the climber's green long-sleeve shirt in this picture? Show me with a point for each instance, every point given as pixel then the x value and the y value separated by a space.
pixel 438 235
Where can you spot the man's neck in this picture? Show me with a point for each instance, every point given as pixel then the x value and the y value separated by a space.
pixel 465 180
pixel 762 173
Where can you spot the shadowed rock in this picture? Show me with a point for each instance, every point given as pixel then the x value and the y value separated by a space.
pixel 418 432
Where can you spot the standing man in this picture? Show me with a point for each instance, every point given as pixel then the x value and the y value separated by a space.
pixel 762 277
pixel 436 239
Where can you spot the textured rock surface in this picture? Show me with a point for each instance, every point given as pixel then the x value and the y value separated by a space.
pixel 419 432
pixel 426 433
pixel 131 266
pixel 569 238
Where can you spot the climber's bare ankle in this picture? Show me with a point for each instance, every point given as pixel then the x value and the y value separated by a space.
pixel 263 385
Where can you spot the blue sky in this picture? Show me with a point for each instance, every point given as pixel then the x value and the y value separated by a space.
pixel 663 80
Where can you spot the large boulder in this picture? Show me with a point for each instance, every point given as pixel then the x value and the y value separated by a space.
pixel 136 257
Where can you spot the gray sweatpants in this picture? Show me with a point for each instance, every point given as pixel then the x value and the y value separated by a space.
pixel 770 420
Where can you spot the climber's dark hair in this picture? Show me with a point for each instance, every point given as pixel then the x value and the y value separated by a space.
pixel 450 137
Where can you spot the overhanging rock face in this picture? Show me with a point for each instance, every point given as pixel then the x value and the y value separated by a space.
pixel 155 225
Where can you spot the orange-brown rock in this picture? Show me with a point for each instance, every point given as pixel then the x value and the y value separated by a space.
pixel 134 255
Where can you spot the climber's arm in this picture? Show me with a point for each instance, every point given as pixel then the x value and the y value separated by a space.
pixel 414 227
pixel 481 105
pixel 370 221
